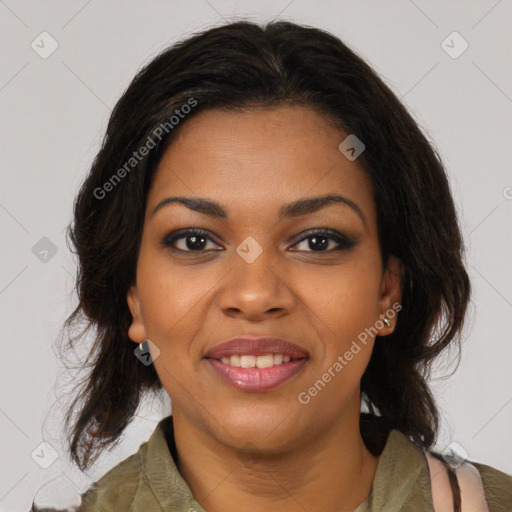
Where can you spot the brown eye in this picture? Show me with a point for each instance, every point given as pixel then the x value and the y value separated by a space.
pixel 190 240
pixel 322 241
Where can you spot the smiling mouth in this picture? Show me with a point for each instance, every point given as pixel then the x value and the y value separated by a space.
pixel 257 361
pixel 256 373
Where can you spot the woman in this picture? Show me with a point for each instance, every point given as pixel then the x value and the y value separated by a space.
pixel 267 235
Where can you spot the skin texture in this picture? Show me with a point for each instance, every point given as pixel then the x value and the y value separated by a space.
pixel 256 451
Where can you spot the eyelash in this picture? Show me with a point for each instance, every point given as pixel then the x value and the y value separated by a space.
pixel 344 243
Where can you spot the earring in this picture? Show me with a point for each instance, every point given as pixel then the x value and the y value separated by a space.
pixel 387 322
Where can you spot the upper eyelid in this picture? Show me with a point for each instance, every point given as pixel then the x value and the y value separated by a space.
pixel 327 232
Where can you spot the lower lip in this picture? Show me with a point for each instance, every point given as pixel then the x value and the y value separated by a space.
pixel 257 379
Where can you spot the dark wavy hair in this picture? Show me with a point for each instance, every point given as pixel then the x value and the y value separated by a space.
pixel 242 65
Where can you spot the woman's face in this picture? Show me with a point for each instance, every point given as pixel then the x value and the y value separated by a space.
pixel 262 273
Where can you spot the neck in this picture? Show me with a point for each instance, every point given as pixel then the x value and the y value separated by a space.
pixel 332 471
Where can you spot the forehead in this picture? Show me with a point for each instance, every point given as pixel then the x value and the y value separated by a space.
pixel 263 157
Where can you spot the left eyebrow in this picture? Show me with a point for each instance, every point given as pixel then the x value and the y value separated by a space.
pixel 294 209
pixel 313 204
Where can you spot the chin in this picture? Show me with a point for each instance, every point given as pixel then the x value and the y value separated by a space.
pixel 258 425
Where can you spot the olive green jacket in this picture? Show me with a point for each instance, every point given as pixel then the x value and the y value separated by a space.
pixel 149 481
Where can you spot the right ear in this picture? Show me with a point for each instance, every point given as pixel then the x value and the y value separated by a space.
pixel 137 330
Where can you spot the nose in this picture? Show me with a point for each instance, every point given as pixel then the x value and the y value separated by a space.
pixel 257 290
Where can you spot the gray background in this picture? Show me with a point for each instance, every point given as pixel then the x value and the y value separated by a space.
pixel 53 115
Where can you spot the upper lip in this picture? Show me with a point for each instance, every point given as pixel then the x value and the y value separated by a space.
pixel 256 345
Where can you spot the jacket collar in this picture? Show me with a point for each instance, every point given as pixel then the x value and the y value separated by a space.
pixel 162 474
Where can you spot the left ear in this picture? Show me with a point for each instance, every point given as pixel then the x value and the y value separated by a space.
pixel 391 293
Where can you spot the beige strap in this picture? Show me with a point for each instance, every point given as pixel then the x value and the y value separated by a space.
pixel 471 489
pixel 442 496
pixel 470 483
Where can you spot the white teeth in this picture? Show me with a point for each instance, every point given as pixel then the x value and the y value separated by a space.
pixel 265 361
pixel 250 361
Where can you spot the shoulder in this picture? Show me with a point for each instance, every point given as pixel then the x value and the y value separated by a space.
pixel 144 481
pixel 404 461
pixel 116 490
pixel 497 487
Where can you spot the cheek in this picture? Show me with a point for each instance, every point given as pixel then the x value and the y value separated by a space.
pixel 345 297
pixel 170 294
pixel 342 307
pixel 171 312
pixel 175 302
